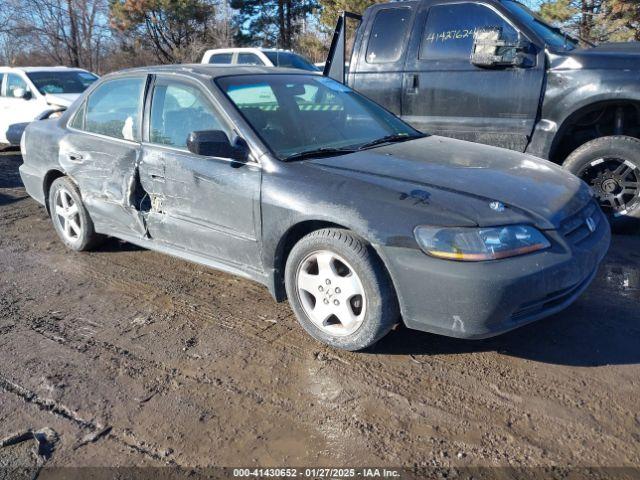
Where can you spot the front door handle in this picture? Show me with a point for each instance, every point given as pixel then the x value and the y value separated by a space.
pixel 75 157
pixel 412 83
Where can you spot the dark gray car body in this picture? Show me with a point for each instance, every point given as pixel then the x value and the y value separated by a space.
pixel 243 217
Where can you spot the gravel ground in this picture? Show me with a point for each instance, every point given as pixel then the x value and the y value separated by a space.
pixel 127 357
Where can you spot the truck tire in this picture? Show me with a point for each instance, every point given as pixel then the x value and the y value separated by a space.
pixel 70 217
pixel 339 290
pixel 611 167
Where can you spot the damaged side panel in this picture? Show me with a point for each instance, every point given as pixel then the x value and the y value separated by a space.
pixel 106 170
pixel 203 205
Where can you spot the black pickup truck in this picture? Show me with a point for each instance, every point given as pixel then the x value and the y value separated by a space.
pixel 493 72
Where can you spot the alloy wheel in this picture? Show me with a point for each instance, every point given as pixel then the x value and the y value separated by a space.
pixel 67 215
pixel 615 182
pixel 331 293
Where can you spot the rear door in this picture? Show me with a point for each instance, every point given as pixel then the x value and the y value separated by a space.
pixel 101 152
pixel 379 69
pixel 209 206
pixel 444 93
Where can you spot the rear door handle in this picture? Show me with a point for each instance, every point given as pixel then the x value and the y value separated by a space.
pixel 159 178
pixel 75 157
pixel 412 83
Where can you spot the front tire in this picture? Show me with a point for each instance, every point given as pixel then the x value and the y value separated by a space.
pixel 339 290
pixel 70 217
pixel 611 167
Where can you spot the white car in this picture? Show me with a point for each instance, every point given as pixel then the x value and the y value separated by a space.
pixel 36 93
pixel 269 57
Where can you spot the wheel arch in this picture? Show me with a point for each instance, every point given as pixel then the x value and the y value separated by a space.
pixel 47 181
pixel 292 236
pixel 594 120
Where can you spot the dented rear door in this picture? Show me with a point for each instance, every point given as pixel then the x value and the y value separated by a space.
pixel 101 152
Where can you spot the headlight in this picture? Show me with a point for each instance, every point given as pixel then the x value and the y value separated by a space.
pixel 478 244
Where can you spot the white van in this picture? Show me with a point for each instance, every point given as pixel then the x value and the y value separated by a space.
pixel 36 93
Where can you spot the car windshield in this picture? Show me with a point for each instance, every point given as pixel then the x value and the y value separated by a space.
pixel 298 114
pixel 553 36
pixel 292 60
pixel 61 82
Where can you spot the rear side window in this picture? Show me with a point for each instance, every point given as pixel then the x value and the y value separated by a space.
pixel 388 35
pixel 221 58
pixel 449 30
pixel 113 109
pixel 249 59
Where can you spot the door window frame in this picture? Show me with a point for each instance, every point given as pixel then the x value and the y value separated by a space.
pixel 413 60
pixel 228 124
pixel 362 65
pixel 81 109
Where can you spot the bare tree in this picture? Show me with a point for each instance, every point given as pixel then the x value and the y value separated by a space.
pixel 68 32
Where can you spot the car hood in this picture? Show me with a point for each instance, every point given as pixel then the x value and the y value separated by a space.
pixel 472 176
pixel 61 99
pixel 607 56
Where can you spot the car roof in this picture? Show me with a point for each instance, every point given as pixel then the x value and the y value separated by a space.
pixel 212 71
pixel 40 69
pixel 247 49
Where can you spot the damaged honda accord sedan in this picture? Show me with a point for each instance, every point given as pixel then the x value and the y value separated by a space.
pixel 299 183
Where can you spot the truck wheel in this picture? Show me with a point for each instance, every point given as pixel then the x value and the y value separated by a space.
pixel 339 290
pixel 611 167
pixel 70 217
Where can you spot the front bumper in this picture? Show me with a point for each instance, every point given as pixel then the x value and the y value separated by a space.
pixel 482 299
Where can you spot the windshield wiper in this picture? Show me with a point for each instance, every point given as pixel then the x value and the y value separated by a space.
pixel 396 137
pixel 318 152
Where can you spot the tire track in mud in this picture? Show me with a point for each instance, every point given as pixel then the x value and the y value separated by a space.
pixel 65 413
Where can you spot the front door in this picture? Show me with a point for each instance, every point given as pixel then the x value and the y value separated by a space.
pixel 206 206
pixel 445 94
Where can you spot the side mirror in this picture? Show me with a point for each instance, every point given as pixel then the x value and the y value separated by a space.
pixel 22 93
pixel 215 143
pixel 490 49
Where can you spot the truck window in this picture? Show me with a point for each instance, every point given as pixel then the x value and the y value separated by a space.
pixel 388 34
pixel 449 31
pixel 249 59
pixel 221 58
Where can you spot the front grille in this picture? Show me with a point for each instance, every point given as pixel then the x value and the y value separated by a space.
pixel 576 227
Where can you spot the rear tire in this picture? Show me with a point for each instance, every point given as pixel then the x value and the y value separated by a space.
pixel 339 290
pixel 70 217
pixel 611 167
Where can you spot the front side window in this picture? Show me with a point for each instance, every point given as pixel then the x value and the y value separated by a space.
pixel 15 82
pixel 177 109
pixel 221 58
pixel 300 113
pixel 249 59
pixel 450 29
pixel 61 82
pixel 114 108
pixel 388 35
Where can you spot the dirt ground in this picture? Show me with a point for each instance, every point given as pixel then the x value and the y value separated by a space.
pixel 133 358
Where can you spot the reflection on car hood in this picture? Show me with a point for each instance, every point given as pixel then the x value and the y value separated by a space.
pixel 607 56
pixel 61 99
pixel 540 190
